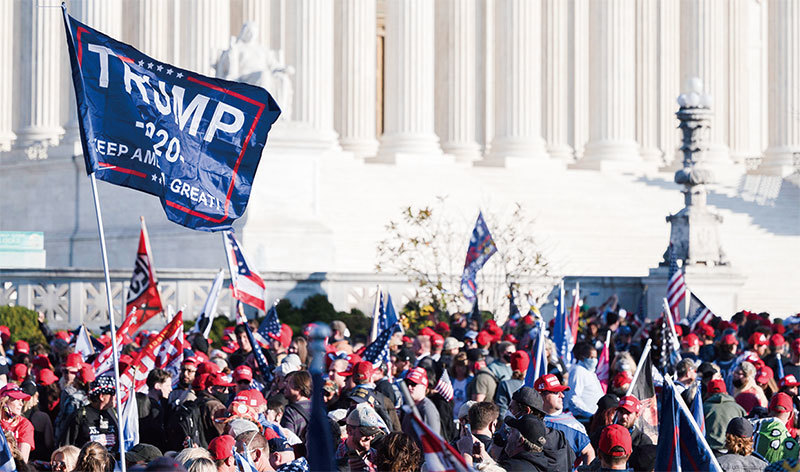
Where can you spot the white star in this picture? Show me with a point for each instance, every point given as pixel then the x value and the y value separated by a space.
pixel 179 75
pixel 159 67
pixel 155 178
pixel 141 63
pixel 149 65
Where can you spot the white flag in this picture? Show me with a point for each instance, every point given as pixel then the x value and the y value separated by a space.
pixel 83 343
pixel 210 307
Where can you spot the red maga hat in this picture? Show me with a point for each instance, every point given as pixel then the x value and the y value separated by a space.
pixel 630 404
pixel 612 436
pixel 549 383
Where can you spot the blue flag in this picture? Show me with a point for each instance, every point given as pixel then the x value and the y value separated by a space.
pixel 697 410
pixel 481 248
pixel 193 141
pixel 538 358
pixel 320 448
pixel 388 315
pixel 130 422
pixel 562 334
pixel 270 327
pixel 378 351
pixel 680 445
pixel 261 360
pixel 781 374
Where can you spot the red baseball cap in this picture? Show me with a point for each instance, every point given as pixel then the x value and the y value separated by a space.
pixel 42 362
pixel 87 373
pixel 690 340
pixel 520 361
pixel 764 374
pixel 22 347
pixel 778 328
pixel 74 362
pixel 777 340
pixel 13 391
pixel 758 339
pixel 510 338
pixel 437 339
pixel 789 381
pixel 483 339
pixel 426 331
pixel 528 320
pixel 19 372
pixel 621 379
pixel 243 373
pixel 780 400
pixel 217 380
pixel 549 383
pixel 717 386
pixel 208 368
pixel 730 339
pixel 63 335
pixel 252 398
pixel 199 381
pixel 221 447
pixel 47 377
pixel 5 333
pixel 418 376
pixel 705 329
pixel 679 330
pixel 630 404
pixel 442 327
pixel 612 436
pixel 361 371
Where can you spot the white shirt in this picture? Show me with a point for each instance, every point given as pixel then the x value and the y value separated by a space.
pixel 584 392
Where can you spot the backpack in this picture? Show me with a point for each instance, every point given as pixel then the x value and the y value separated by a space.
pixel 184 428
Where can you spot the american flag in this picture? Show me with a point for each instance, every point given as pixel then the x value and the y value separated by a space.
pixel 7 463
pixel 698 312
pixel 669 355
pixel 243 462
pixel 246 284
pixel 676 287
pixel 438 454
pixel 378 351
pixel 261 359
pixel 444 386
pixel 270 327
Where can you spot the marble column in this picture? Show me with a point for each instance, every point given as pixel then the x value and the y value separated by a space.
pixel 106 17
pixel 518 91
pixel 669 77
pixel 152 28
pixel 354 84
pixel 704 54
pixel 41 42
pixel 579 75
pixel 647 79
pixel 745 54
pixel 612 130
pixel 254 11
pixel 556 79
pixel 409 82
pixel 456 50
pixel 6 75
pixel 309 49
pixel 784 90
pixel 205 33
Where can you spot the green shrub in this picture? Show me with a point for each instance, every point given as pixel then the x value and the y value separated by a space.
pixel 23 324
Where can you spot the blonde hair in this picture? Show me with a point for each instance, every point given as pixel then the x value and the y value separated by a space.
pixel 201 464
pixel 70 454
pixel 191 454
pixel 94 457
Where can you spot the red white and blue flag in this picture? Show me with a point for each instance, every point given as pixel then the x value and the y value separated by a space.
pixel 481 248
pixel 246 284
pixel 439 456
pixel 698 312
pixel 444 386
pixel 676 286
pixel 603 368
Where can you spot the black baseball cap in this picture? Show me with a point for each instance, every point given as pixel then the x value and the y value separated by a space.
pixel 740 427
pixel 530 427
pixel 607 402
pixel 475 355
pixel 529 397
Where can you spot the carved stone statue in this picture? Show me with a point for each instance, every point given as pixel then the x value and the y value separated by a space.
pixel 247 61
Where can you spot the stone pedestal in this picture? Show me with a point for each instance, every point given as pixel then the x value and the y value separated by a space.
pixel 784 81
pixel 717 287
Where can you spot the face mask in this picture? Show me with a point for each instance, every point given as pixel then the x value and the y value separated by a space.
pixel 589 363
pixel 222 397
pixel 738 382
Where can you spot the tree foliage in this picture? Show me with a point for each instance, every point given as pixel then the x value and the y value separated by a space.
pixel 22 323
pixel 426 245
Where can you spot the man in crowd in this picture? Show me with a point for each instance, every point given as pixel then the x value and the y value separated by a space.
pixel 484 384
pixel 298 411
pixel 553 406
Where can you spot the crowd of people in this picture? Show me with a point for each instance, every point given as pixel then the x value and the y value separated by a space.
pixel 468 380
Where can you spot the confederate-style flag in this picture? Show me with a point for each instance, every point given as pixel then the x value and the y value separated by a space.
pixel 143 291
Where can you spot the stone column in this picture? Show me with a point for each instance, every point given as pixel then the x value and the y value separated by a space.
pixel 409 79
pixel 205 33
pixel 254 11
pixel 556 79
pixel 309 49
pixel 106 17
pixel 518 91
pixel 612 82
pixel 40 46
pixel 669 77
pixel 152 29
pixel 6 75
pixel 579 75
pixel 456 49
pixel 704 54
pixel 784 89
pixel 647 79
pixel 355 43
pixel 746 50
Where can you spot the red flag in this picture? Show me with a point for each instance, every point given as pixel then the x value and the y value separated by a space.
pixel 104 361
pixel 603 364
pixel 439 456
pixel 162 350
pixel 143 291
pixel 575 312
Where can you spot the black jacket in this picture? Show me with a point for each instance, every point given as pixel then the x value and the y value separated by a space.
pixel 528 461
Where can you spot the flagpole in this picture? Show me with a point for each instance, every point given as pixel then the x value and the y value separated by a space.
pixel 672 330
pixel 645 352
pixel 701 436
pixel 373 333
pixel 109 301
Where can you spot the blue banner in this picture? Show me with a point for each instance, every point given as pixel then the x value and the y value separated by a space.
pixel 481 248
pixel 193 141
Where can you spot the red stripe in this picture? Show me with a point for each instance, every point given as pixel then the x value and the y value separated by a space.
pixel 250 299
pixel 107 166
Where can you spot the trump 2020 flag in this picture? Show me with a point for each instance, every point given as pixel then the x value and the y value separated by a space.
pixel 481 248
pixel 246 284
pixel 193 141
